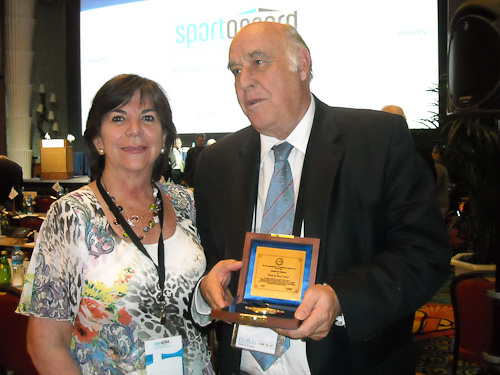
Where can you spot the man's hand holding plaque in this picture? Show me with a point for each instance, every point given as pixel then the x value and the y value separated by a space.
pixel 318 310
pixel 213 286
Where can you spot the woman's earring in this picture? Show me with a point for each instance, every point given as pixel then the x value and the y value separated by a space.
pixel 100 151
pixel 162 151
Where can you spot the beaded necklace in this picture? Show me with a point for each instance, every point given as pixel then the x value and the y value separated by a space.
pixel 132 220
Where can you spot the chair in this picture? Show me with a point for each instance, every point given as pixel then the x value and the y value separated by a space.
pixel 33 222
pixel 43 203
pixel 473 311
pixel 13 354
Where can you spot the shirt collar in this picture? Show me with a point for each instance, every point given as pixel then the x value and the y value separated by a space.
pixel 298 138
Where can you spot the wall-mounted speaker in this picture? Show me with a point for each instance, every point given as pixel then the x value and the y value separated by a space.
pixel 474 58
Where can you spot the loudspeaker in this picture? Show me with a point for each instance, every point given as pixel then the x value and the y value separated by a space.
pixel 474 58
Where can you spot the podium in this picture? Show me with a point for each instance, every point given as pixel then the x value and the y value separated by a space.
pixel 56 159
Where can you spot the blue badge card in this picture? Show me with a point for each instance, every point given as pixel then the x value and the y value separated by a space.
pixel 164 356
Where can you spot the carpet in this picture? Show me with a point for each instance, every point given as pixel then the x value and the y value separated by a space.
pixel 433 356
pixel 435 318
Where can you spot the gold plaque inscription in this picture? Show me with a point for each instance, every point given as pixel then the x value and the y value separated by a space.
pixel 278 273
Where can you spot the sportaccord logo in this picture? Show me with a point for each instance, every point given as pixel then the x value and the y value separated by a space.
pixel 220 29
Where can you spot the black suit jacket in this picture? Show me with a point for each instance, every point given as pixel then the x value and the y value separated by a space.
pixel 190 165
pixel 369 197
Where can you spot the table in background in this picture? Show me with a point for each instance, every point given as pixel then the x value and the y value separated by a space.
pixel 44 187
pixel 11 242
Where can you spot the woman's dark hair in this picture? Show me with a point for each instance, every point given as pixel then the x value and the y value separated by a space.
pixel 116 93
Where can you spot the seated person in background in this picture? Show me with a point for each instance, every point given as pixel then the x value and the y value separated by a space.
pixel 116 261
pixel 11 177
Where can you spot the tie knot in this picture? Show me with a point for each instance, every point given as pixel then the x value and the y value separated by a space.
pixel 282 151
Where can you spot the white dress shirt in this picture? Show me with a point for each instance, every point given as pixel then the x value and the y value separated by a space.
pixel 177 160
pixel 294 360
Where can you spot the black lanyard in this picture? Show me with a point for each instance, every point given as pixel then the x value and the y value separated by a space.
pixel 160 268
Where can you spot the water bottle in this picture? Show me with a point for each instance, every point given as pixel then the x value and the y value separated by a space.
pixel 4 269
pixel 29 205
pixel 17 267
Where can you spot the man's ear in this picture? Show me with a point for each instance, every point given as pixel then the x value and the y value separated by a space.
pixel 304 64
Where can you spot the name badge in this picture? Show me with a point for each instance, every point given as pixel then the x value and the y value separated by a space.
pixel 257 339
pixel 164 356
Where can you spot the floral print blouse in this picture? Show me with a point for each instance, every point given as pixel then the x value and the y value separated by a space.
pixel 82 272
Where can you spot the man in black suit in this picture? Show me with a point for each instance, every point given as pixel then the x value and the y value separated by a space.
pixel 361 188
pixel 11 175
pixel 192 158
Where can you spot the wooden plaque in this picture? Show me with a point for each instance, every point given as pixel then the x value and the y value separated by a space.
pixel 276 272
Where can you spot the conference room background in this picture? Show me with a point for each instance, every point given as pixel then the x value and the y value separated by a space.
pixel 57 64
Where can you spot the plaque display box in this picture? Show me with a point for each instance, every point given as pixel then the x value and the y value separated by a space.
pixel 276 272
pixel 56 159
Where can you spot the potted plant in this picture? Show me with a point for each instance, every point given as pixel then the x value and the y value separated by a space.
pixel 473 155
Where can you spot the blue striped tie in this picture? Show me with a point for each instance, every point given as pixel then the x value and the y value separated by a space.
pixel 279 212
pixel 279 209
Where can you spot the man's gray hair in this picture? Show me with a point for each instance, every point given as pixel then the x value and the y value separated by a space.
pixel 296 43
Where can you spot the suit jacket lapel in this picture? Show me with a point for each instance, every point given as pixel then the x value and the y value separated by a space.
pixel 244 188
pixel 321 163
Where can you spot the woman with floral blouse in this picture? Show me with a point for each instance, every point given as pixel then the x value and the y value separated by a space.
pixel 116 261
